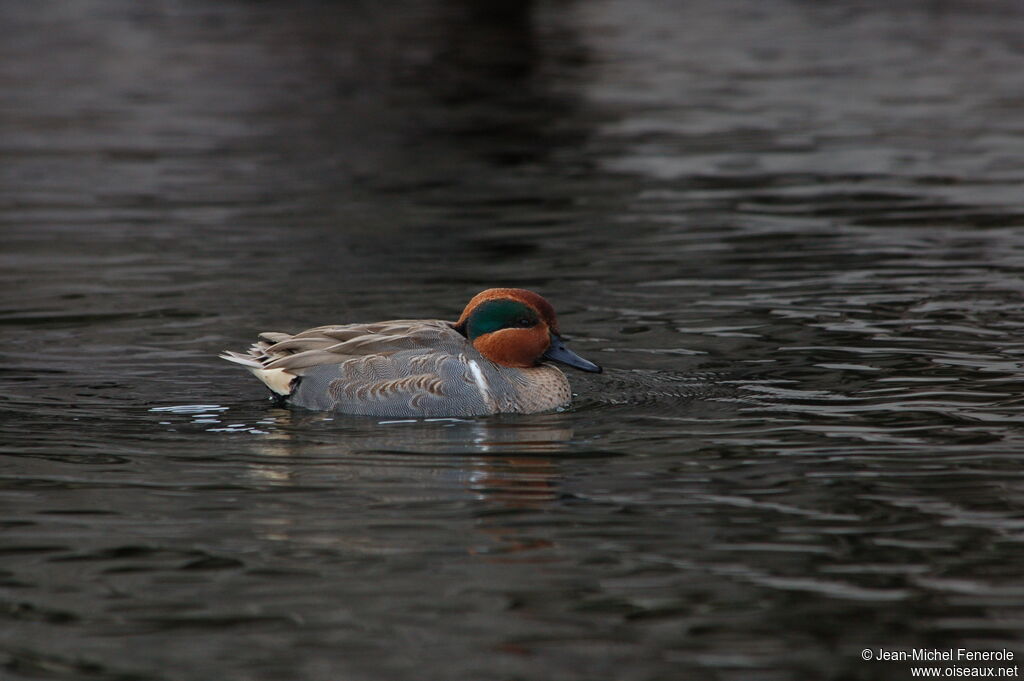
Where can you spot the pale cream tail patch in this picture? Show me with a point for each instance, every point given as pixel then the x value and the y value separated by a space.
pixel 278 380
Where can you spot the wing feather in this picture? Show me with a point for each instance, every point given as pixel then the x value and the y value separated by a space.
pixel 399 365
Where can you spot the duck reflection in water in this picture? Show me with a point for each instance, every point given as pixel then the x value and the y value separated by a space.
pixel 502 465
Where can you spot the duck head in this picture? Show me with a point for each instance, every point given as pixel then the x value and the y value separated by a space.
pixel 516 328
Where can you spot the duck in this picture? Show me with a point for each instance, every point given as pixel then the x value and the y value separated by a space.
pixel 498 357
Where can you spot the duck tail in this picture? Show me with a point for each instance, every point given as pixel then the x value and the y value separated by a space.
pixel 248 361
pixel 281 381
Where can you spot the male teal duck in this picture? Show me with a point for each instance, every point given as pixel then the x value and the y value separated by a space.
pixel 494 359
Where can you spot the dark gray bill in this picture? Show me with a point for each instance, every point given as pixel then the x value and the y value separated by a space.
pixel 557 352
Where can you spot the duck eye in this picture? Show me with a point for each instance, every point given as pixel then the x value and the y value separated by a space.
pixel 523 321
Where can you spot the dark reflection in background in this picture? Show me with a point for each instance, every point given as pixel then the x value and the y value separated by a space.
pixel 790 231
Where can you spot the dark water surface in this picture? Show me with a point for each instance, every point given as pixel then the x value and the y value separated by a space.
pixel 792 232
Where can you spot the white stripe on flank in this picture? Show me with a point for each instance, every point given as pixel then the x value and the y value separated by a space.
pixel 478 376
pixel 481 382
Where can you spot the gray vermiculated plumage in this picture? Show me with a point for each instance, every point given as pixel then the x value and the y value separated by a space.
pixel 401 368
